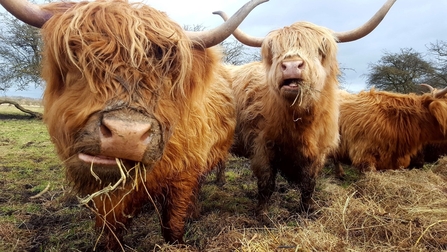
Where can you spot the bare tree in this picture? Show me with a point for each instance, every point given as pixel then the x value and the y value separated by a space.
pixel 439 51
pixel 235 53
pixel 20 56
pixel 342 76
pixel 400 72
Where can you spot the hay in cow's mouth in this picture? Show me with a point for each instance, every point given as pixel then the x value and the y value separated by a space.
pixel 139 173
pixel 293 87
pixel 296 98
pixel 124 175
pixel 303 90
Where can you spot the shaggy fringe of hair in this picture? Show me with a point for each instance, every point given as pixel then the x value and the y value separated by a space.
pixel 98 37
pixel 304 39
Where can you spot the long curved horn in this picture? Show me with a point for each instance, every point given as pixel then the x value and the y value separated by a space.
pixel 243 37
pixel 366 28
pixel 440 93
pixel 33 15
pixel 352 35
pixel 220 33
pixel 27 12
pixel 428 86
pixel 435 93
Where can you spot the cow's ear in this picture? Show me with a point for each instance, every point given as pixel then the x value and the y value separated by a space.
pixel 439 110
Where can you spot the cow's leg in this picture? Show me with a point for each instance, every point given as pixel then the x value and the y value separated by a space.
pixel 307 188
pixel 172 227
pixel 365 163
pixel 266 187
pixel 220 173
pixel 403 162
pixel 366 167
pixel 177 205
pixel 266 176
pixel 339 171
pixel 417 161
pixel 307 181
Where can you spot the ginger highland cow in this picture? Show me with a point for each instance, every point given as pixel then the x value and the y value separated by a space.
pixel 287 105
pixel 382 130
pixel 139 110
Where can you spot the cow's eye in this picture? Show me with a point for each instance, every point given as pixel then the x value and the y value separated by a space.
pixel 323 49
pixel 321 55
pixel 158 53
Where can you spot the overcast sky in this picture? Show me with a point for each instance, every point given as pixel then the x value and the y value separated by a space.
pixel 409 24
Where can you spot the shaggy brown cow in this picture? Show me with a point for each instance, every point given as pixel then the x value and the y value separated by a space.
pixel 287 109
pixel 381 130
pixel 138 109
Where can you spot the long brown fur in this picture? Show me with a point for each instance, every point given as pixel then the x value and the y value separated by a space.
pixel 114 54
pixel 277 134
pixel 381 130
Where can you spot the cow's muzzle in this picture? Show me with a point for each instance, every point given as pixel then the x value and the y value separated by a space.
pixel 124 134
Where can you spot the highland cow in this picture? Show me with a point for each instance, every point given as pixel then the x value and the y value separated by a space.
pixel 381 130
pixel 138 109
pixel 287 106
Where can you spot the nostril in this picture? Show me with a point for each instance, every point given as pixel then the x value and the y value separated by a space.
pixel 283 66
pixel 147 136
pixel 105 131
pixel 300 64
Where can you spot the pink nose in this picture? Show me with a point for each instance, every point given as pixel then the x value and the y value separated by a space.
pixel 126 139
pixel 292 69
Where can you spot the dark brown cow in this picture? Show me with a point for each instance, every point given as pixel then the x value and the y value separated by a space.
pixel 430 153
pixel 381 130
pixel 433 151
pixel 287 107
pixel 138 109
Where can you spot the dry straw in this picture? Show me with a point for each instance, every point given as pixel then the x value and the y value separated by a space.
pixel 137 172
pixel 383 211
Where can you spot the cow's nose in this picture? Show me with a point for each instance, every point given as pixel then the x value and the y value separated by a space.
pixel 291 65
pixel 126 139
pixel 292 69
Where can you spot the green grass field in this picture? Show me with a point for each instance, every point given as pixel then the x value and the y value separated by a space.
pixel 383 211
